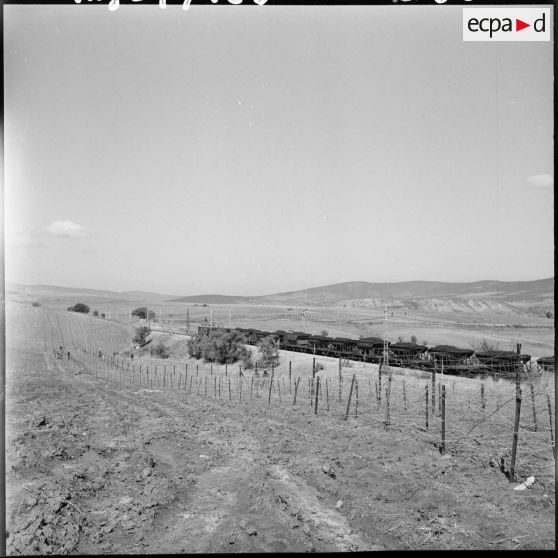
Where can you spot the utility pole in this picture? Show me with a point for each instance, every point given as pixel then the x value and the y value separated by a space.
pixel 188 320
pixel 230 318
pixel 303 320
pixel 210 318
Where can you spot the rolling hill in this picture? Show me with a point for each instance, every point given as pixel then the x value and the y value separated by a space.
pixel 350 293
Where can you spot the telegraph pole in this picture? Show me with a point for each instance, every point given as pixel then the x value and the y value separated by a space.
pixel 188 320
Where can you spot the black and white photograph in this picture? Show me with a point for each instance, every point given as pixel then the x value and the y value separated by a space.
pixel 277 277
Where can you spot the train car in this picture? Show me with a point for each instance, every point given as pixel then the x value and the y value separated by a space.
pixel 343 347
pixel 451 359
pixel 546 364
pixel 502 362
pixel 370 349
pixel 406 355
pixel 259 335
pixel 320 345
pixel 297 341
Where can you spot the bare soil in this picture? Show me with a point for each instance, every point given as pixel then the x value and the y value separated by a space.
pixel 94 467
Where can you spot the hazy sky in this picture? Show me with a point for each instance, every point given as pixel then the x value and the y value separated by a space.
pixel 250 150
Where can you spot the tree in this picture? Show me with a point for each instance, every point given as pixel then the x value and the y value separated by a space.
pixel 324 332
pixel 141 335
pixel 400 339
pixel 79 307
pixel 142 313
pixel 269 352
pixel 414 339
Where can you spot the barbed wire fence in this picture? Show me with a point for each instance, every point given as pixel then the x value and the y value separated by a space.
pixel 475 419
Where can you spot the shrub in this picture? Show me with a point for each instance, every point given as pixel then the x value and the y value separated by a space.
pixel 142 313
pixel 102 314
pixel 96 313
pixel 414 339
pixel 36 303
pixel 324 332
pixel 160 350
pixel 220 347
pixel 269 352
pixel 140 338
pixel 79 307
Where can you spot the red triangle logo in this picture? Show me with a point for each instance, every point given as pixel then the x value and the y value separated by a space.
pixel 519 25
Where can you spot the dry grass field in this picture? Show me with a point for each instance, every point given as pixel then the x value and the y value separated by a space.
pixel 104 458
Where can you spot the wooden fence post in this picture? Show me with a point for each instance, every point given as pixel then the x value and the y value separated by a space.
pixel 483 405
pixel 340 379
pixel 426 397
pixel 380 385
pixel 388 393
pixel 356 398
pixel 290 363
pixel 433 390
pixel 350 396
pixel 230 395
pixel 550 419
pixel 296 391
pixel 313 367
pixel 270 386
pixel 327 395
pixel 517 414
pixel 316 396
pixel 533 402
pixel 311 393
pixel 404 397
pixel 443 445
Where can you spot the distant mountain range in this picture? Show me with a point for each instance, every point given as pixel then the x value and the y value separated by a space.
pixel 481 296
pixel 513 291
pixel 54 290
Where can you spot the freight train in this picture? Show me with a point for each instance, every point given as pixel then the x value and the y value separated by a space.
pixel 452 360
